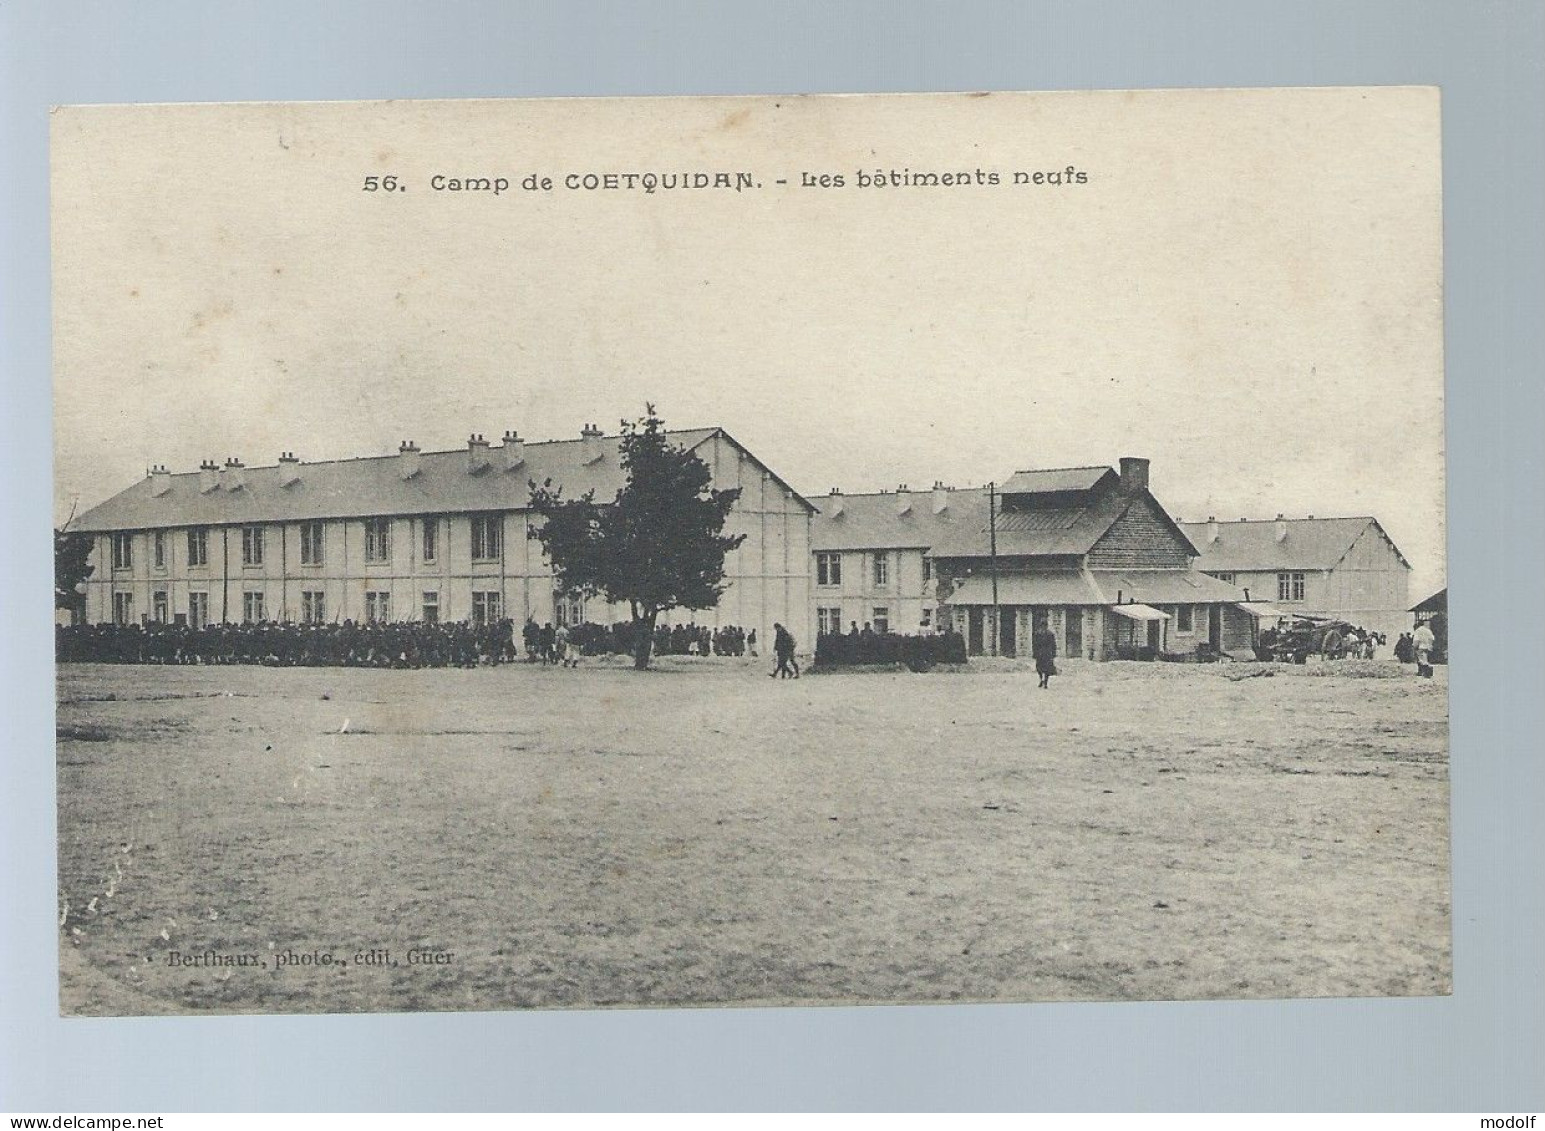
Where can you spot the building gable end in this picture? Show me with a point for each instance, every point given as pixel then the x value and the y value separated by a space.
pixel 1142 536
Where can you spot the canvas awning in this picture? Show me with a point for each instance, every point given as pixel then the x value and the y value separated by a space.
pixel 1261 610
pixel 1139 612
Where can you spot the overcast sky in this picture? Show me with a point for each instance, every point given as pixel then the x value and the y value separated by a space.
pixel 1246 289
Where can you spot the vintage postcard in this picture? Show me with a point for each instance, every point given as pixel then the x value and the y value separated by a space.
pixel 728 551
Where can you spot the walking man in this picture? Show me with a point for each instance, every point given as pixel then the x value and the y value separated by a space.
pixel 783 648
pixel 1043 646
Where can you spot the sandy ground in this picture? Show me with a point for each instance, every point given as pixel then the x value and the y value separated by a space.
pixel 702 834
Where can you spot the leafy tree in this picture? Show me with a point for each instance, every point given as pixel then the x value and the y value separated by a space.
pixel 70 569
pixel 658 545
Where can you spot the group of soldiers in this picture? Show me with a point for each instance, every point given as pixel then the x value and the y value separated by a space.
pixel 866 646
pixel 392 644
pixel 395 644
pixel 669 640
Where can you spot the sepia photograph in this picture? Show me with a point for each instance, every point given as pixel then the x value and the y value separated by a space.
pixel 750 551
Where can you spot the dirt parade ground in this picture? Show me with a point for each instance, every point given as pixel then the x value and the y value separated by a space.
pixel 247 839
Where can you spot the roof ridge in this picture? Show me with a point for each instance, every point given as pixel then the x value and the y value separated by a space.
pixel 1299 518
pixel 451 451
pixel 890 492
pixel 1074 467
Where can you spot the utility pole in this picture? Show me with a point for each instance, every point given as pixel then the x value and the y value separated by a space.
pixel 992 544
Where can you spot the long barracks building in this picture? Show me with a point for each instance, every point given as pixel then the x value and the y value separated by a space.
pixel 415 536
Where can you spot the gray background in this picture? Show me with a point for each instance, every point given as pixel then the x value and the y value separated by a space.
pixel 1480 1050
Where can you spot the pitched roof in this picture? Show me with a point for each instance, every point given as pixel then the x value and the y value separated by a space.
pixel 1311 543
pixel 1054 479
pixel 1164 586
pixel 1059 532
pixel 1052 587
pixel 373 486
pixel 1067 527
pixel 870 522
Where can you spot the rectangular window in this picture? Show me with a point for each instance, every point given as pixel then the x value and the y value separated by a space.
pixel 123 608
pixel 313 606
pixel 486 608
pixel 927 621
pixel 1290 587
pixel 158 549
pixel 431 607
pixel 123 551
pixel 198 547
pixel 378 606
pixel 568 611
pixel 431 546
pixel 881 619
pixel 378 540
pixel 311 543
pixel 198 610
pixel 252 607
pixel 159 605
pixel 1224 575
pixel 487 537
pixel 251 545
pixel 927 570
pixel 828 569
pixel 882 571
pixel 1183 618
pixel 829 620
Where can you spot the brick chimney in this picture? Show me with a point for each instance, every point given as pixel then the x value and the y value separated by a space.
pixel 834 507
pixel 233 477
pixel 160 480
pixel 1134 474
pixel 1282 529
pixel 289 469
pixel 514 449
pixel 1212 528
pixel 407 459
pixel 208 476
pixel 477 454
pixel 941 496
pixel 590 442
pixel 903 500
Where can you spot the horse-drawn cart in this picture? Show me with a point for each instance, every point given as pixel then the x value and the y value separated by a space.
pixel 1305 636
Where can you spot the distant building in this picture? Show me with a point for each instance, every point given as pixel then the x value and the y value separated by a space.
pixel 1088 552
pixel 1434 606
pixel 1346 568
pixel 434 536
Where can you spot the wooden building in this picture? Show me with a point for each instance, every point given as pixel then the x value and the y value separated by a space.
pixel 1086 551
pixel 414 536
pixel 1346 568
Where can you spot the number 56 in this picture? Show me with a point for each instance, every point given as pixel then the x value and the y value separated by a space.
pixel 382 184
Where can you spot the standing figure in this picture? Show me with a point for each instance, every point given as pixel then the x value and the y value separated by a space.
pixel 1043 646
pixel 1422 641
